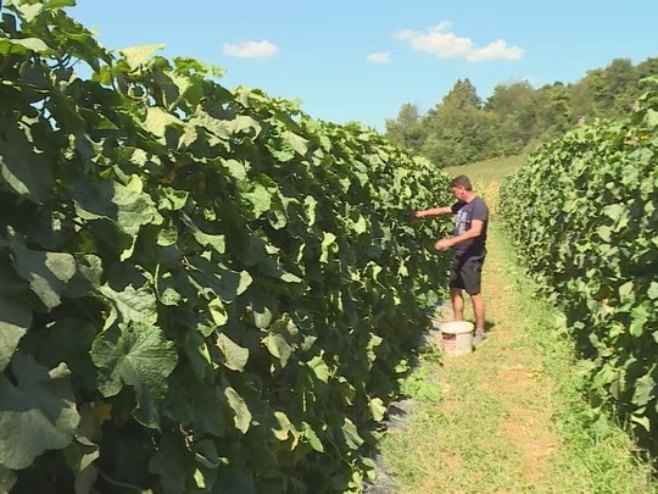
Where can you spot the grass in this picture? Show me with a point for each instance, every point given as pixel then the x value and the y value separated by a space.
pixel 510 417
pixel 492 170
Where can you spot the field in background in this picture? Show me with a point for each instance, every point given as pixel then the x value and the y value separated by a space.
pixel 487 175
pixel 487 171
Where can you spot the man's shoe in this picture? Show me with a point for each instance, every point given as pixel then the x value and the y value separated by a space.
pixel 478 339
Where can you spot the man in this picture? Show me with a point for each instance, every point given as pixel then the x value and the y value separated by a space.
pixel 468 244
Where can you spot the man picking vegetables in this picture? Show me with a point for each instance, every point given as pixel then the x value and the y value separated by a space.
pixel 468 244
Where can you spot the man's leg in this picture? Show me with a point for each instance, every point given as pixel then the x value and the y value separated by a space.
pixel 478 310
pixel 457 304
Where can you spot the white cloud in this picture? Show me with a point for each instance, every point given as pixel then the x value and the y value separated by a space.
pixel 251 49
pixel 379 57
pixel 443 44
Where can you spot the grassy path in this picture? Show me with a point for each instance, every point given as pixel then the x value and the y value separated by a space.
pixel 510 417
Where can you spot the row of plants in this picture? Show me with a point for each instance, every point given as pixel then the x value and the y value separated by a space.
pixel 584 212
pixel 201 289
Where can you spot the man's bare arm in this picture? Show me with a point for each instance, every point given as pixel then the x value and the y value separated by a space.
pixel 473 232
pixel 432 212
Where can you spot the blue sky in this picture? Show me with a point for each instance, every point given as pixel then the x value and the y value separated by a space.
pixel 362 59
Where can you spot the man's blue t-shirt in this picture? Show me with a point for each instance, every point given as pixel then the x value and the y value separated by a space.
pixel 465 213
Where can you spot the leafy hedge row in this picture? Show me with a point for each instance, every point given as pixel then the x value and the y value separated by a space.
pixel 201 290
pixel 585 212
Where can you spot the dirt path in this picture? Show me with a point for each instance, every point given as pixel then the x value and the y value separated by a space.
pixel 496 401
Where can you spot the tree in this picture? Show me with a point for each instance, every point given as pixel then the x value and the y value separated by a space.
pixel 554 112
pixel 515 108
pixel 407 130
pixel 460 131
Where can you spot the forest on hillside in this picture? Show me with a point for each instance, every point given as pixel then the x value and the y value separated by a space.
pixel 463 128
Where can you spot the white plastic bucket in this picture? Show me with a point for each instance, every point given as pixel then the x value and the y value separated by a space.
pixel 456 337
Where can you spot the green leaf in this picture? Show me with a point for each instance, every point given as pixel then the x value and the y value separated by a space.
pixel 58 4
pixel 137 56
pixel 157 120
pixel 614 211
pixel 7 480
pixel 126 205
pixel 196 350
pixel 327 240
pixel 133 305
pixel 235 168
pixel 244 124
pixel 23 168
pixel 625 291
pixel 226 283
pixel 605 232
pixel 47 273
pixel 296 142
pixel 37 414
pixel 312 438
pixel 67 339
pixel 28 10
pixel 377 409
pixel 216 242
pixel 15 319
pixel 642 421
pixel 645 390
pixel 168 234
pixel 242 417
pixel 172 199
pixel 310 204
pixel 31 44
pixel 136 355
pixel 640 315
pixel 285 426
pixel 234 356
pixel 81 453
pixel 278 346
pixel 319 368
pixel 218 312
pixel 169 463
pixel 360 226
pixel 191 401
pixel 351 434
pixel 652 292
pixel 263 317
pixel 260 198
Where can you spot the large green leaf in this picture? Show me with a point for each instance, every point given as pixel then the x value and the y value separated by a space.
pixel 25 169
pixel 15 319
pixel 226 283
pixel 278 347
pixel 259 197
pixel 217 242
pixel 242 414
pixel 169 463
pixel 47 273
pixel 234 356
pixel 351 434
pixel 38 412
pixel 126 205
pixel 31 44
pixel 196 403
pixel 296 142
pixel 137 355
pixel 7 480
pixel 137 305
pixel 137 56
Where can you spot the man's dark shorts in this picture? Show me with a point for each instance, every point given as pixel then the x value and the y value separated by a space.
pixel 466 273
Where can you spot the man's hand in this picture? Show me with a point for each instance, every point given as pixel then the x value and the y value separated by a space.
pixel 443 244
pixel 413 215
